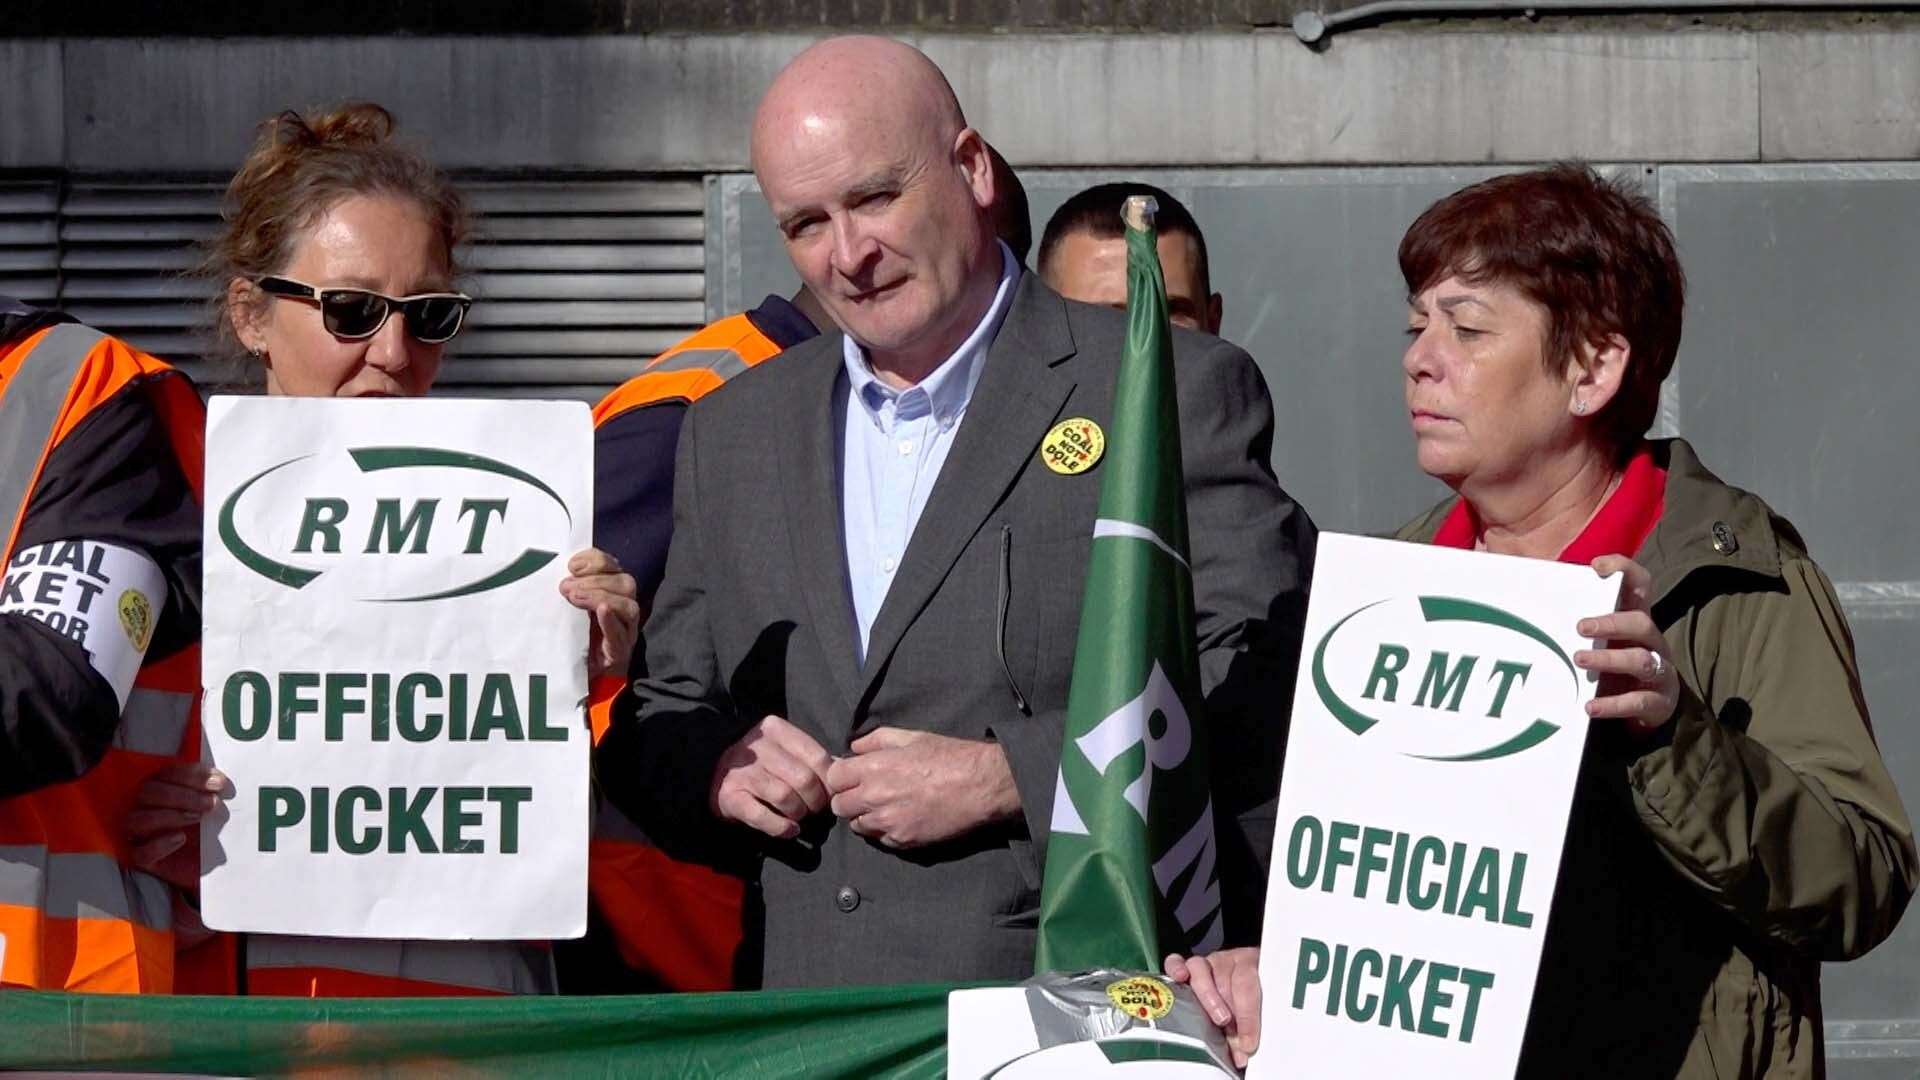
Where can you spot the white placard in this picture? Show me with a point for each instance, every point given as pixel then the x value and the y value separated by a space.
pixel 394 683
pixel 1438 726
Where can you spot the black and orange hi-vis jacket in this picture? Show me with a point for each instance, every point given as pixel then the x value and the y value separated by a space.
pixel 675 925
pixel 102 443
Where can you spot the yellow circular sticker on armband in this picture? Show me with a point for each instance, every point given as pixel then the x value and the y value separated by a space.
pixel 136 618
pixel 1073 446
pixel 1142 997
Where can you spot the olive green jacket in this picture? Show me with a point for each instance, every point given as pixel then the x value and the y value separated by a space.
pixel 1712 866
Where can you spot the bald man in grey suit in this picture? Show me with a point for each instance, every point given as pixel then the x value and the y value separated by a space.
pixel 858 662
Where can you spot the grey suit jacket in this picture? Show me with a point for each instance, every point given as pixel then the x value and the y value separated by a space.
pixel 975 638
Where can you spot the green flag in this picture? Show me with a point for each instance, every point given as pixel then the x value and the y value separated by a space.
pixel 1130 863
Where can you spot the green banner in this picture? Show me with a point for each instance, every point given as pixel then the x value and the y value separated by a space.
pixel 1130 861
pixel 892 1031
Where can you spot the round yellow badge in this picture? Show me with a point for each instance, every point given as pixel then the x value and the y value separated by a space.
pixel 1073 446
pixel 136 618
pixel 1142 997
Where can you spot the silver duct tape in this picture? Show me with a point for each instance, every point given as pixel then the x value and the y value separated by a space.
pixel 1088 1006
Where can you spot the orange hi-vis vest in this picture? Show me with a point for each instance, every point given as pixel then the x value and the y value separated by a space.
pixel 675 921
pixel 689 371
pixel 74 913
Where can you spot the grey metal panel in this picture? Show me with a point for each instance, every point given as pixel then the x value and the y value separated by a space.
pixel 1885 984
pixel 1795 379
pixel 1796 376
pixel 1873 1049
pixel 754 261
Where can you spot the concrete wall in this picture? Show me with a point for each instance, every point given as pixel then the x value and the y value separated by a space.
pixel 683 103
pixel 227 17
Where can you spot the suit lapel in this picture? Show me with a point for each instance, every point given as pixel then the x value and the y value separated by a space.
pixel 810 472
pixel 1019 395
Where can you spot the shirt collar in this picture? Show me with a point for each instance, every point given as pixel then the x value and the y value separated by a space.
pixel 947 391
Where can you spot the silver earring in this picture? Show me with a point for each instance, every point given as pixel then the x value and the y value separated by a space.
pixel 1579 408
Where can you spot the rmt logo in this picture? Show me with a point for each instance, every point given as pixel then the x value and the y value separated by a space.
pixel 1445 679
pixel 460 522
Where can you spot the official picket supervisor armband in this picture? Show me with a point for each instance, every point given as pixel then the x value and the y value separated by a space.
pixel 102 597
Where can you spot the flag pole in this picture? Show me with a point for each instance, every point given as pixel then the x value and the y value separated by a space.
pixel 1138 212
pixel 1131 857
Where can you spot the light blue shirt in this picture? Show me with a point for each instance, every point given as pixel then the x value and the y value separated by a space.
pixel 892 447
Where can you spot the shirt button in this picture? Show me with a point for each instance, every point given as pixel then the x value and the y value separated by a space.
pixel 906 447
pixel 887 564
pixel 847 899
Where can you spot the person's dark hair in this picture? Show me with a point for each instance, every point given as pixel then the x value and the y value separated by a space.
pixel 299 168
pixel 1012 218
pixel 1591 250
pixel 1097 211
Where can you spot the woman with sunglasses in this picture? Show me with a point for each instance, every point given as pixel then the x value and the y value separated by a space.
pixel 337 260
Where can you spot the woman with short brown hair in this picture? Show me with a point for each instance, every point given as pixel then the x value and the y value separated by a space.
pixel 1733 825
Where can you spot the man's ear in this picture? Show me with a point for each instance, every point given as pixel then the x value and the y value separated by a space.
pixel 1215 314
pixel 970 154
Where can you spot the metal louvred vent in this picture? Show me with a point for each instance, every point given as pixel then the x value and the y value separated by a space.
pixel 126 254
pixel 29 240
pixel 577 282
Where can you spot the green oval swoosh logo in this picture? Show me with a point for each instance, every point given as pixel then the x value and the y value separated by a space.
pixel 381 459
pixel 1438 609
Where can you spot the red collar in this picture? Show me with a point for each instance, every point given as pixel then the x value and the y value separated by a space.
pixel 1624 522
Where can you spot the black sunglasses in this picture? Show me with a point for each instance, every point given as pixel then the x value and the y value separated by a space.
pixel 431 318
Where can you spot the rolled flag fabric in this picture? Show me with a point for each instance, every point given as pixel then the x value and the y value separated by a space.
pixel 1131 861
